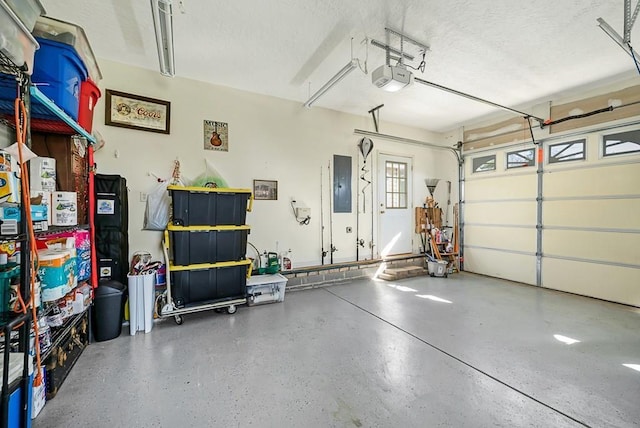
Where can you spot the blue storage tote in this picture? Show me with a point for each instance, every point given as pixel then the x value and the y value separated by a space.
pixel 208 244
pixel 14 418
pixel 15 405
pixel 58 73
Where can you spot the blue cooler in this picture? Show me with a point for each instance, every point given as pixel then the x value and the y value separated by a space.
pixel 58 73
pixel 14 418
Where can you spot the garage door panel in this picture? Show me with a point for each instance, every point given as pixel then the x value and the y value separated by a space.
pixel 609 213
pixel 617 284
pixel 602 246
pixel 512 213
pixel 515 267
pixel 507 238
pixel 609 180
pixel 501 187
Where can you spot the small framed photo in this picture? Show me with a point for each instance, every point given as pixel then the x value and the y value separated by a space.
pixel 137 112
pixel 265 189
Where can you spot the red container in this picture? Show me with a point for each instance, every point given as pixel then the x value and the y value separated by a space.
pixel 89 96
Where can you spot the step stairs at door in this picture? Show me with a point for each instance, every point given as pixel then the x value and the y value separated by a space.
pixel 393 274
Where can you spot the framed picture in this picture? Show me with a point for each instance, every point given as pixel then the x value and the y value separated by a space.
pixel 265 189
pixel 137 112
pixel 216 136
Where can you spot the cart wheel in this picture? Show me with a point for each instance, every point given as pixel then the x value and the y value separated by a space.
pixel 232 309
pixel 178 319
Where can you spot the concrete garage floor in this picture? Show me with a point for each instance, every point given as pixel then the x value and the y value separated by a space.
pixel 466 351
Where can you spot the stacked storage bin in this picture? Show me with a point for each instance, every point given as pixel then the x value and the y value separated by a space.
pixel 17 18
pixel 208 242
pixel 66 70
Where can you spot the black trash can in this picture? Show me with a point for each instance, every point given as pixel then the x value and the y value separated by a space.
pixel 108 310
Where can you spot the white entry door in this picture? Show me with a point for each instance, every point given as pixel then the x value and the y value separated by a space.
pixel 395 212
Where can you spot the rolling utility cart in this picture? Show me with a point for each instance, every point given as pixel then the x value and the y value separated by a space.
pixel 204 248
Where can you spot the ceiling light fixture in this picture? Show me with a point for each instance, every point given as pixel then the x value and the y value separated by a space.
pixel 332 82
pixel 391 78
pixel 162 12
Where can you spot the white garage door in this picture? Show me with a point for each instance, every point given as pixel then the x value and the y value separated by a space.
pixel 590 234
pixel 500 217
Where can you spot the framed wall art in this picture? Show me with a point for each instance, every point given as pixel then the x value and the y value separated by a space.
pixel 265 190
pixel 216 136
pixel 137 112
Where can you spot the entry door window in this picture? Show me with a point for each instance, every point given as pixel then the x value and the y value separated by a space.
pixel 396 184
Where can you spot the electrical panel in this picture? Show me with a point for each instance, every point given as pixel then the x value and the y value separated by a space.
pixel 341 184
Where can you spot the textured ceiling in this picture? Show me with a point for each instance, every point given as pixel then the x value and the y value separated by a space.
pixel 510 52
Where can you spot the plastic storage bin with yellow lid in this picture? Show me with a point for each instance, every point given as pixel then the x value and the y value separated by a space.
pixel 69 34
pixel 206 206
pixel 16 42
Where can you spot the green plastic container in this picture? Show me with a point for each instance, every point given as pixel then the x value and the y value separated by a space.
pixel 7 273
pixel 272 265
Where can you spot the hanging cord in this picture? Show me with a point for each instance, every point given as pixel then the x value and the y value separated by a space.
pixel 20 306
pixel 366 58
pixel 533 139
pixel 550 122
pixel 303 222
pixel 257 254
pixel 633 55
pixel 21 136
pixel 368 183
pixel 422 64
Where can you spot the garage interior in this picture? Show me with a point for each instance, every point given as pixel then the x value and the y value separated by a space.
pixel 517 133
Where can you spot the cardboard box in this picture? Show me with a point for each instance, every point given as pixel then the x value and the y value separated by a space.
pixel 12 212
pixel 9 227
pixel 39 396
pixel 9 187
pixel 46 201
pixel 42 174
pixel 64 207
pixel 40 226
pixel 10 217
pixel 5 161
pixel 9 212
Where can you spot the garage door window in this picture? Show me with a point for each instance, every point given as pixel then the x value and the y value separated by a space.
pixel 396 184
pixel 484 163
pixel 566 152
pixel 622 143
pixel 521 158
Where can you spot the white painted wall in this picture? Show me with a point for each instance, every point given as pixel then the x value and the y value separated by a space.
pixel 269 138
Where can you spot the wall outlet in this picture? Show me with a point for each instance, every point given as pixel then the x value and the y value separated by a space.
pixel 349 229
pixel 143 197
